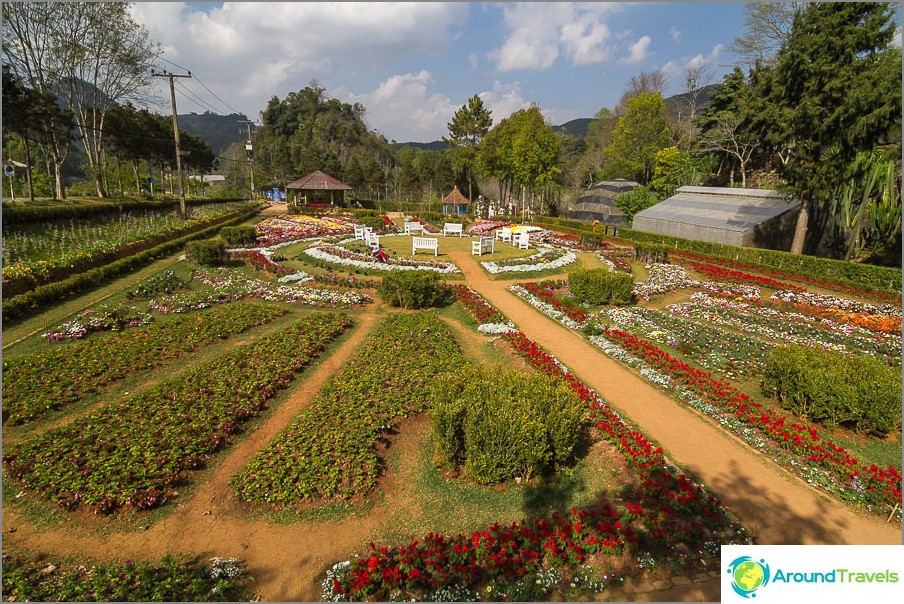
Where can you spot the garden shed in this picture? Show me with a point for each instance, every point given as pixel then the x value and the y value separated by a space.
pixel 456 203
pixel 319 187
pixel 743 217
pixel 598 203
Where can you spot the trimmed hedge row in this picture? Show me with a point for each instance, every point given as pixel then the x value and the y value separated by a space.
pixel 64 211
pixel 16 307
pixel 868 276
pixel 835 389
pixel 412 289
pixel 599 286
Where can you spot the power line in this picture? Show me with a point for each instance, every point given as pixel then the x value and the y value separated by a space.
pixel 202 102
pixel 234 110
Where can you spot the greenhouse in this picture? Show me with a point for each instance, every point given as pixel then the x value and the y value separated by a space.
pixel 598 203
pixel 743 217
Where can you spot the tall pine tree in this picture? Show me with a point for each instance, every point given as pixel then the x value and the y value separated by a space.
pixel 469 125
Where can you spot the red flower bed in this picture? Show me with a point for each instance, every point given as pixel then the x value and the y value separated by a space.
pixel 477 307
pixel 718 273
pixel 799 438
pixel 791 277
pixel 260 262
pixel 544 291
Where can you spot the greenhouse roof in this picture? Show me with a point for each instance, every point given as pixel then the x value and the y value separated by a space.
pixel 721 208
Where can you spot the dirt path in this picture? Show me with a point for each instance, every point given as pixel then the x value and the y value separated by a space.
pixel 287 561
pixel 776 506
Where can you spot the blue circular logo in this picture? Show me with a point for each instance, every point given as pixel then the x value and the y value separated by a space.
pixel 748 575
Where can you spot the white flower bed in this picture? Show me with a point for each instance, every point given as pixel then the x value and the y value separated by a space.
pixel 445 268
pixel 496 329
pixel 828 301
pixel 663 278
pixel 531 263
pixel 296 277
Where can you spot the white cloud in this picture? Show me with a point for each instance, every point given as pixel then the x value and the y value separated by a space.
pixel 247 52
pixel 404 109
pixel 638 51
pixel 676 35
pixel 541 32
pixel 503 100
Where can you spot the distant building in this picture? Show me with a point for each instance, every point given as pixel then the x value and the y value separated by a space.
pixel 742 217
pixel 455 203
pixel 597 204
pixel 319 187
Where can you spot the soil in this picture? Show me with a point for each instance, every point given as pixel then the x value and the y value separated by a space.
pixel 288 560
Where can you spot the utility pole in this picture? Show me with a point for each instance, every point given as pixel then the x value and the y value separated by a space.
pixel 172 90
pixel 249 149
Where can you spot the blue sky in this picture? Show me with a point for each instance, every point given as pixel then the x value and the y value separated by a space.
pixel 411 65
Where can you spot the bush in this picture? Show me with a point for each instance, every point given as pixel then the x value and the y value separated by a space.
pixel 651 253
pixel 412 289
pixel 599 286
pixel 237 235
pixel 499 424
pixel 835 389
pixel 207 252
pixel 374 222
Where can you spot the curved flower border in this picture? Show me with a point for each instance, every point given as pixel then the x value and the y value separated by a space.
pixel 531 263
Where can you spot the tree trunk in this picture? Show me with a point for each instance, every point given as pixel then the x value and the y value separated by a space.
pixel 59 192
pixel 800 230
pixel 137 179
pixel 31 189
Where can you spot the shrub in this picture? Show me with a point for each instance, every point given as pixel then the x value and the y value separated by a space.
pixel 651 253
pixel 412 289
pixel 600 286
pixel 237 235
pixel 835 389
pixel 499 424
pixel 207 252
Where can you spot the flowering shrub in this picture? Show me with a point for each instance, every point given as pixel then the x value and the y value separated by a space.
pixel 663 278
pixel 165 282
pixel 260 261
pixel 83 368
pixel 135 453
pixel 350 414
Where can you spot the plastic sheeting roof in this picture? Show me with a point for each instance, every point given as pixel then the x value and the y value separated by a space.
pixel 598 202
pixel 721 208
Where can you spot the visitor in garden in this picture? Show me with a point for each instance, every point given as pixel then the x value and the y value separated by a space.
pixel 380 255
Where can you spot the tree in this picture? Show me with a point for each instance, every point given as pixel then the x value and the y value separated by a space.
pixel 92 54
pixel 767 26
pixel 645 82
pixel 835 91
pixel 469 125
pixel 640 133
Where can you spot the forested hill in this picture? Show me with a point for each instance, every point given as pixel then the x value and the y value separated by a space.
pixel 219 131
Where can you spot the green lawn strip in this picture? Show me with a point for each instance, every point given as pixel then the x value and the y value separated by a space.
pixel 329 452
pixel 84 367
pixel 133 453
pixel 32 576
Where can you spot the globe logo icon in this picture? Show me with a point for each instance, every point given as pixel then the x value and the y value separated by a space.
pixel 748 575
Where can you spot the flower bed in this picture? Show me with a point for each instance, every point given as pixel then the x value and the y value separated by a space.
pixel 824 301
pixel 546 259
pixel 482 311
pixel 663 278
pixel 329 451
pixel 273 231
pixel 482 228
pixel 99 318
pixel 136 452
pixel 259 261
pixel 673 516
pixel 875 488
pixel 542 296
pixel 83 368
pixel 719 273
pixel 338 255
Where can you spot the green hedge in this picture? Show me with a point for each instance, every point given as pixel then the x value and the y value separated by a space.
pixel 500 424
pixel 16 307
pixel 412 289
pixel 599 286
pixel 63 210
pixel 864 276
pixel 238 235
pixel 835 389
pixel 206 252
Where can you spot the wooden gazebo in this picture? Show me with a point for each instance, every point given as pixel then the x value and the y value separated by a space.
pixel 319 187
pixel 456 203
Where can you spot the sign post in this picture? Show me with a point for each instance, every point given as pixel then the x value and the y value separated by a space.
pixel 9 172
pixel 151 183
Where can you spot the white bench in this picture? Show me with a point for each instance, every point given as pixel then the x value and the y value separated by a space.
pixel 484 244
pixel 413 227
pixel 359 231
pixel 453 228
pixel 372 240
pixel 504 234
pixel 521 240
pixel 424 243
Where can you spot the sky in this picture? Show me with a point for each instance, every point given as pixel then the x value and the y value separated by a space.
pixel 412 65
